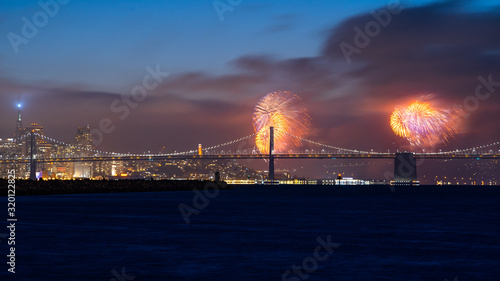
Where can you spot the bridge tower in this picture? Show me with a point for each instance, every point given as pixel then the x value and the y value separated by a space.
pixel 32 157
pixel 271 151
pixel 405 168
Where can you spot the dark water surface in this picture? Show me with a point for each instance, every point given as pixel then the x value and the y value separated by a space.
pixel 259 233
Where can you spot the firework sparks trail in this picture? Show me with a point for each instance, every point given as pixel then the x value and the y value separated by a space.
pixel 280 110
pixel 424 125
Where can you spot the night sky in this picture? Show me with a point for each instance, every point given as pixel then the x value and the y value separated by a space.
pixel 89 54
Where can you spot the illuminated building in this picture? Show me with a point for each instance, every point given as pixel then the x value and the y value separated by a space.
pixel 42 148
pixel 83 140
pixel 83 148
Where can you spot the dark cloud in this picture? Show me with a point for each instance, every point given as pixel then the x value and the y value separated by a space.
pixel 435 47
pixel 205 85
pixel 439 48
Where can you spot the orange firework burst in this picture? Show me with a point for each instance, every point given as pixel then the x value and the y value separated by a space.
pixel 281 111
pixel 424 125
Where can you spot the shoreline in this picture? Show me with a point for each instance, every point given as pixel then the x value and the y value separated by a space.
pixel 68 187
pixel 63 187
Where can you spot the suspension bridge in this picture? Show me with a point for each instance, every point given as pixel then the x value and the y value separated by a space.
pixel 405 163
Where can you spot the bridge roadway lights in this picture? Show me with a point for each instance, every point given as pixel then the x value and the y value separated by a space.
pixel 405 168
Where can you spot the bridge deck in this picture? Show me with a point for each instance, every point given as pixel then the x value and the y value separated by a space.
pixel 250 156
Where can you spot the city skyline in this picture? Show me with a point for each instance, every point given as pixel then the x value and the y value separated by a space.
pixel 60 160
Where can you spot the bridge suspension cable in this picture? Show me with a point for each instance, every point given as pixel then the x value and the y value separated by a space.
pixel 471 149
pixel 49 139
pixel 207 148
pixel 76 146
pixel 333 147
pixel 21 137
pixel 228 143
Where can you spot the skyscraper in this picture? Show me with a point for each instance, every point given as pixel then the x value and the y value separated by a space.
pixel 41 147
pixel 83 143
pixel 19 123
